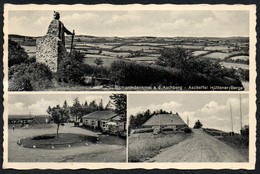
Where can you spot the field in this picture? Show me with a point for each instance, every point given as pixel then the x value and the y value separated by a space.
pixel 237 141
pixel 110 150
pixel 217 55
pixel 145 145
pixel 235 65
pixel 147 49
pixel 240 58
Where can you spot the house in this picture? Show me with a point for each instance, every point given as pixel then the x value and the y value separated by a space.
pixel 172 121
pixel 104 120
pixel 28 119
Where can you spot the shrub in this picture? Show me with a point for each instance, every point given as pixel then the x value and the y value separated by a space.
pixel 20 84
pixel 129 73
pixel 16 54
pixel 187 130
pixel 197 125
pixel 144 130
pixel 71 69
pixel 24 77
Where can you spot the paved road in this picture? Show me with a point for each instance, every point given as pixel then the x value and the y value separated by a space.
pixel 201 147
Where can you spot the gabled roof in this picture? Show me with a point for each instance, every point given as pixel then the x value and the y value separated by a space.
pixel 21 117
pixel 164 120
pixel 116 118
pixel 100 115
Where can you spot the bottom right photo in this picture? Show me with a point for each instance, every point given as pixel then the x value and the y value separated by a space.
pixel 188 127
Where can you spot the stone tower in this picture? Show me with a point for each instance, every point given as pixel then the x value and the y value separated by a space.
pixel 50 49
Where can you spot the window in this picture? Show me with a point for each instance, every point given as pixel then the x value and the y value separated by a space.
pixel 104 124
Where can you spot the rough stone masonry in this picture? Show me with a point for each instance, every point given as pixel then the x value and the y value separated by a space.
pixel 50 49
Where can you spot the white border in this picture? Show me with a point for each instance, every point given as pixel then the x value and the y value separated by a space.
pixel 251 92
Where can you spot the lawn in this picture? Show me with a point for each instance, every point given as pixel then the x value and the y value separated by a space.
pixel 240 58
pixel 235 65
pixel 217 55
pixel 197 53
pixel 106 61
pixel 103 151
pixel 218 47
pixel 145 145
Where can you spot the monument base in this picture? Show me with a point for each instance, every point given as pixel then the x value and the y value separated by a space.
pixel 50 51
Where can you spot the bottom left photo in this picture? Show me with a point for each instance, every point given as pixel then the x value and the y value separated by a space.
pixel 67 127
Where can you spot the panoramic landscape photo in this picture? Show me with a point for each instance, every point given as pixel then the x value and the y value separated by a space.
pixel 176 128
pixel 128 50
pixel 67 128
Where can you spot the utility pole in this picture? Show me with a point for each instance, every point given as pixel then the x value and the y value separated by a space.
pixel 241 121
pixel 231 117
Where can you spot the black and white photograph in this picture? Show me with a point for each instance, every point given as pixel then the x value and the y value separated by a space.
pixel 128 50
pixel 67 128
pixel 129 86
pixel 188 128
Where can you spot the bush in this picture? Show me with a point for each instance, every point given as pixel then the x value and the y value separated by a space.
pixel 71 69
pixel 16 54
pixel 24 77
pixel 187 130
pixel 144 130
pixel 197 125
pixel 129 73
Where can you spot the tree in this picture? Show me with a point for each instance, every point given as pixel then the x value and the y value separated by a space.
pixel 16 53
pixel 65 105
pixel 59 116
pixel 86 104
pixel 176 57
pixel 119 101
pixel 198 125
pixel 76 109
pixel 71 69
pixel 98 61
pixel 100 106
pixel 93 105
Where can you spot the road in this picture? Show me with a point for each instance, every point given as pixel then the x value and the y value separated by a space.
pixel 201 147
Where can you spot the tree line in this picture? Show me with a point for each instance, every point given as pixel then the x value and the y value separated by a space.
pixel 175 67
pixel 63 114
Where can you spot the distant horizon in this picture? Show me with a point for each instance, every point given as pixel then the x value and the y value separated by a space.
pixel 143 36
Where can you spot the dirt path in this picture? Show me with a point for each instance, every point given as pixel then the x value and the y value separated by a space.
pixel 201 147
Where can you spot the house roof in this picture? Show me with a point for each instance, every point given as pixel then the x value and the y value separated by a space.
pixel 164 120
pixel 37 118
pixel 100 115
pixel 116 118
pixel 22 117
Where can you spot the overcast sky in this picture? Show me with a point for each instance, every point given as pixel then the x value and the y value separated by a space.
pixel 213 110
pixel 37 104
pixel 135 23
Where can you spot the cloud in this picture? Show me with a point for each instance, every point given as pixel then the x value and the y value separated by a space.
pixel 40 107
pixel 214 115
pixel 136 23
pixel 18 107
pixel 168 106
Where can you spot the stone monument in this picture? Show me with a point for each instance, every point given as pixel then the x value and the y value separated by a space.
pixel 50 49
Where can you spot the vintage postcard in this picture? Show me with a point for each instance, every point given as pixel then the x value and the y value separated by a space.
pixel 129 86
